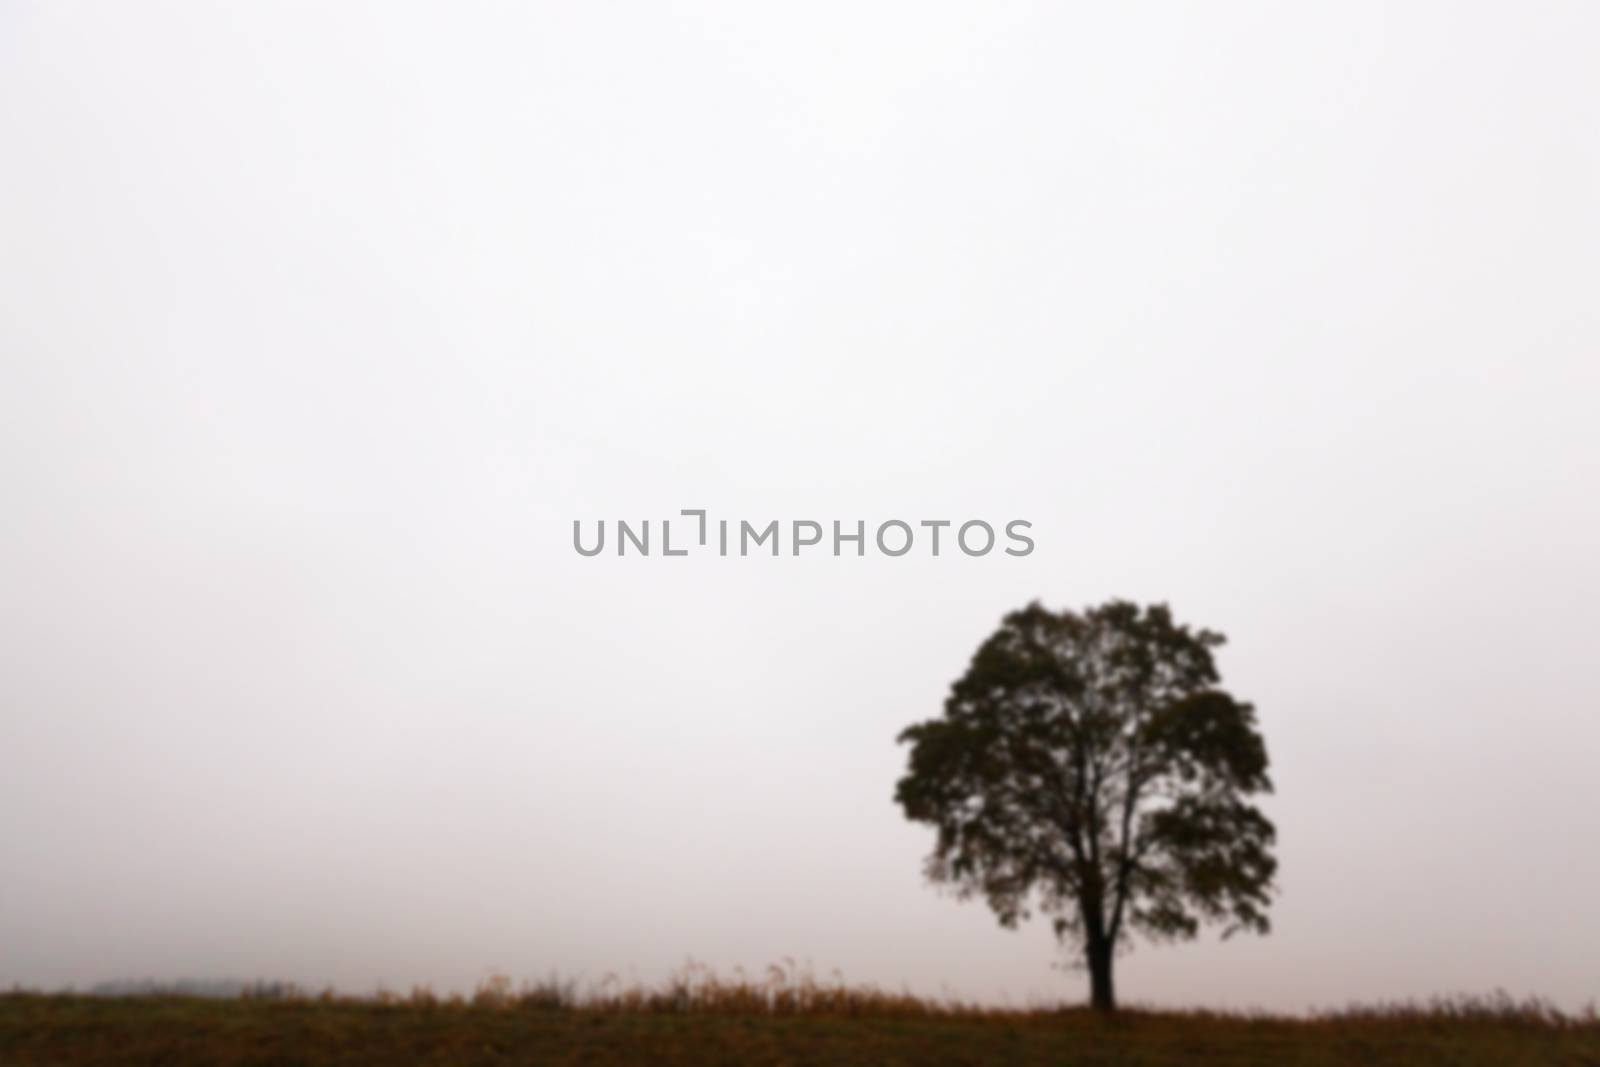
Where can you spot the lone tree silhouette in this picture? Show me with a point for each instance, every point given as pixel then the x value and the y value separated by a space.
pixel 1088 766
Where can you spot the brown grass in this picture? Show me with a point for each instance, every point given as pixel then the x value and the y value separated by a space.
pixel 784 1016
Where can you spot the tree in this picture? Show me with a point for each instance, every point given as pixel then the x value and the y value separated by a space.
pixel 1088 766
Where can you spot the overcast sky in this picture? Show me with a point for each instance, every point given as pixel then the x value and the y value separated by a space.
pixel 320 324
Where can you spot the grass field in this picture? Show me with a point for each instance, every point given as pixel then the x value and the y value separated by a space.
pixel 709 1023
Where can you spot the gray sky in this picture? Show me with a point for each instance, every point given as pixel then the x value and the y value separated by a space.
pixel 318 327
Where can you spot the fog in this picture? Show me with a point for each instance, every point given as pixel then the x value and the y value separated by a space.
pixel 320 326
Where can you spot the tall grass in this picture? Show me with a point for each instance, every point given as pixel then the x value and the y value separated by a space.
pixel 782 1017
pixel 782 989
pixel 788 989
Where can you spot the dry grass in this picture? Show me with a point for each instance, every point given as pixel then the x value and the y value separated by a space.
pixel 784 1016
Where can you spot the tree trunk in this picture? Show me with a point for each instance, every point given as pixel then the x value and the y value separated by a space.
pixel 1102 996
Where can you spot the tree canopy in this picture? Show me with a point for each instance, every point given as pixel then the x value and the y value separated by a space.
pixel 1089 766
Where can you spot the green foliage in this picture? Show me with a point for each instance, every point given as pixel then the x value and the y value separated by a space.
pixel 1089 766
